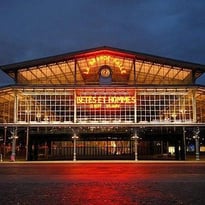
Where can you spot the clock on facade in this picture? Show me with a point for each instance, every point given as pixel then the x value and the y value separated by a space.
pixel 105 71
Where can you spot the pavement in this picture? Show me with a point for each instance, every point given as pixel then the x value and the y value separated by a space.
pixel 102 182
pixel 105 161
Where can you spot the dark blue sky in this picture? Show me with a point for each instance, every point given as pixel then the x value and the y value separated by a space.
pixel 33 29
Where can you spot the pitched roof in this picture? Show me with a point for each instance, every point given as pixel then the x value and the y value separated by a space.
pixel 83 68
pixel 117 51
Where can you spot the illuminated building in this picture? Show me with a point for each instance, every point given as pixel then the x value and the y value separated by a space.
pixel 103 103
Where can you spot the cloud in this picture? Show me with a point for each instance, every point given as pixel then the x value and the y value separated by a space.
pixel 35 29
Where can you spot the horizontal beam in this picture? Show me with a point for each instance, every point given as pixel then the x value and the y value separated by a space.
pixel 76 125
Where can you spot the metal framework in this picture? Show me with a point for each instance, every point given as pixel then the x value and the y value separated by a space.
pixel 65 91
pixel 102 105
pixel 81 68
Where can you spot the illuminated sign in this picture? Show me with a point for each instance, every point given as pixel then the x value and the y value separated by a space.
pixel 107 59
pixel 105 101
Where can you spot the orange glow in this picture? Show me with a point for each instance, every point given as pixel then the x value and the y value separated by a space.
pixel 105 52
pixel 105 92
pixel 109 60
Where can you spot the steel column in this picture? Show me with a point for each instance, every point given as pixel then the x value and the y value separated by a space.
pixel 135 138
pixel 5 133
pixel 13 149
pixel 75 137
pixel 27 142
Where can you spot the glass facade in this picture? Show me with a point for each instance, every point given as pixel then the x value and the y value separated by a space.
pixel 105 96
pixel 97 105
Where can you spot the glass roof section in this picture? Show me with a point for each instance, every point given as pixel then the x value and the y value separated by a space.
pixel 6 105
pixel 83 68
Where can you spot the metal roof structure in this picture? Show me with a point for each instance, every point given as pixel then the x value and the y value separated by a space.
pixel 82 67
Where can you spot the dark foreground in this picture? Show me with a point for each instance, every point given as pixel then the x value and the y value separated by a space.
pixel 102 183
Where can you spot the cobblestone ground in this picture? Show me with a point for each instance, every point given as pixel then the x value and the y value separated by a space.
pixel 96 184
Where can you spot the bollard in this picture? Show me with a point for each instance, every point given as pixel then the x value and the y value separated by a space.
pixel 1 157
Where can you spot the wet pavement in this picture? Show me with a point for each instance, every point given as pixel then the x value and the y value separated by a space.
pixel 99 183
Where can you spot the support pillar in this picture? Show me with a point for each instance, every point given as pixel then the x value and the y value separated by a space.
pixel 197 145
pixel 197 148
pixel 135 138
pixel 5 133
pixel 74 137
pixel 183 145
pixel 13 150
pixel 27 142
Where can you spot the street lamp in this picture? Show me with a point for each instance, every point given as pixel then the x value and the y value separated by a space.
pixel 74 137
pixel 135 138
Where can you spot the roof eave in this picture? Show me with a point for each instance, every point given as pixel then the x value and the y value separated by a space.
pixel 77 54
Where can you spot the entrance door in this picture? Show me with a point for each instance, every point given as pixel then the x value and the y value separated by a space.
pixel 105 149
pixel 92 147
pixel 93 150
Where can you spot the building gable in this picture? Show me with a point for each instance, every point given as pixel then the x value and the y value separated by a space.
pixel 84 67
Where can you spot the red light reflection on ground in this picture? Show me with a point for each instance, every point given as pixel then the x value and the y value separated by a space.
pixel 116 184
pixel 102 183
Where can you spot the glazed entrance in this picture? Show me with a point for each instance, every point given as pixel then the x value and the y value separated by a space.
pixel 106 146
pixel 91 150
pixel 88 146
